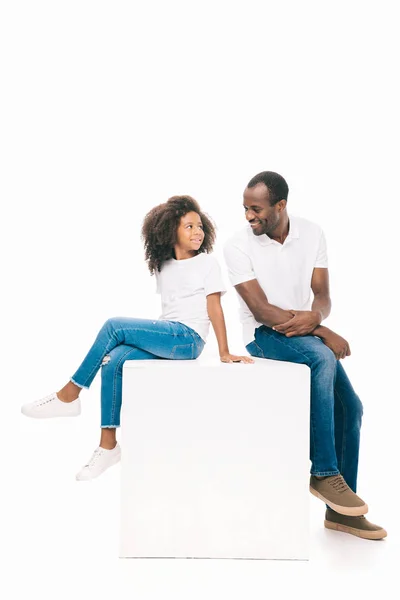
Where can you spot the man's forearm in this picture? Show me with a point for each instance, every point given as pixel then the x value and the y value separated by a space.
pixel 322 305
pixel 321 331
pixel 271 315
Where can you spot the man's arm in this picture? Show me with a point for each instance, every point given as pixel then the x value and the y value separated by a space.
pixel 271 315
pixel 320 287
pixel 257 301
pixel 304 322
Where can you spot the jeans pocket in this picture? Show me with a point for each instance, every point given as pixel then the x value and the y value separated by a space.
pixel 182 352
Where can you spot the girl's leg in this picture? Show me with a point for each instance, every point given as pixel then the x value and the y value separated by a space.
pixel 109 452
pixel 111 389
pixel 69 392
pixel 164 339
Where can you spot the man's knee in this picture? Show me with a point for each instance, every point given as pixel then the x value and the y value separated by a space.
pixel 357 410
pixel 323 357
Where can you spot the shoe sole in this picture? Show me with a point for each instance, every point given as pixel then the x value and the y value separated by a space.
pixel 38 416
pixel 366 535
pixel 348 511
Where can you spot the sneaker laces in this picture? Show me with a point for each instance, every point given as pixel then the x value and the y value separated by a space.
pixel 339 484
pixel 95 456
pixel 44 400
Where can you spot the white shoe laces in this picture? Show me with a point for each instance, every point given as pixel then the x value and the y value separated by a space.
pixel 44 400
pixel 95 456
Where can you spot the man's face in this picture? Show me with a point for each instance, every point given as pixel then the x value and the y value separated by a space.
pixel 262 217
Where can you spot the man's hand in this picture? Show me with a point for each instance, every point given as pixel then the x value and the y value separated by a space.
pixel 339 346
pixel 303 322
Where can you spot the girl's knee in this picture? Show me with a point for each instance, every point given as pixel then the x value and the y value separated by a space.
pixel 110 323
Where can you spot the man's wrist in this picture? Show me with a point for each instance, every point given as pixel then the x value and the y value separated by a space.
pixel 318 315
pixel 321 331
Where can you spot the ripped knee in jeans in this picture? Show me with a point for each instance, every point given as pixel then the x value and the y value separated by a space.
pixel 106 360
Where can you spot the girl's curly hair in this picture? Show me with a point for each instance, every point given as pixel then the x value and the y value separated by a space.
pixel 160 226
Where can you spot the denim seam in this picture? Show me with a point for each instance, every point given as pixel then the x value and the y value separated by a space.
pixel 98 364
pixel 172 353
pixel 115 331
pixel 260 349
pixel 344 436
pixel 79 384
pixel 325 473
pixel 114 400
pixel 281 341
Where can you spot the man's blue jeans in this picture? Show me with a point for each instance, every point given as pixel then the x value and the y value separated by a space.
pixel 336 410
pixel 123 338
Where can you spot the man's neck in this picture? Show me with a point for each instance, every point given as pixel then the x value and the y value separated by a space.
pixel 282 231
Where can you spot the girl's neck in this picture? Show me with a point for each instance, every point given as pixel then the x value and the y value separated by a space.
pixel 181 254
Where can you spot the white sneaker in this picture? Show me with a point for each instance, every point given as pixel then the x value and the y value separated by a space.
pixel 101 460
pixel 51 406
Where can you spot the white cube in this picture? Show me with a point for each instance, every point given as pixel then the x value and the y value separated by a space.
pixel 215 459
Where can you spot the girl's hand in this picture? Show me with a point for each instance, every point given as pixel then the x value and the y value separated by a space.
pixel 232 358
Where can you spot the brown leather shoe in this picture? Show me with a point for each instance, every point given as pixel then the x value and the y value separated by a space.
pixel 335 492
pixel 358 526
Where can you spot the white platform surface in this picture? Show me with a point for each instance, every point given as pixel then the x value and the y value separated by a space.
pixel 215 460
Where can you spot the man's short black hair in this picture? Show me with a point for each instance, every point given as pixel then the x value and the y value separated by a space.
pixel 277 186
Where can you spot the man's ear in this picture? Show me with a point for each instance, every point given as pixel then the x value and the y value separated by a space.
pixel 281 205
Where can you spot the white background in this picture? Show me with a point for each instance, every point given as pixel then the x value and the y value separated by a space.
pixel 108 108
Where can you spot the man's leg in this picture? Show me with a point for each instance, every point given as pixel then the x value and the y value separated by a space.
pixel 322 362
pixel 348 416
pixel 326 481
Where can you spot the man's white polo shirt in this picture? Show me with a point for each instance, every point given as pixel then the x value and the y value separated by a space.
pixel 284 271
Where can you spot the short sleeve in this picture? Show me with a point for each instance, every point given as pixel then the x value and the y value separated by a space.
pixel 240 268
pixel 322 255
pixel 213 282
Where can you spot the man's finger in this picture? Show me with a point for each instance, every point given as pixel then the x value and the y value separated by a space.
pixel 283 326
pixel 295 331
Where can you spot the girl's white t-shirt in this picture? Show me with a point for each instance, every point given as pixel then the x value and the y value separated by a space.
pixel 184 286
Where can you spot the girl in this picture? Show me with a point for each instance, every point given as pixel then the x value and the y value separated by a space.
pixel 178 238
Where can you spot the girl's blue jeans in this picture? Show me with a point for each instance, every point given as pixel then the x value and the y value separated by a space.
pixel 335 410
pixel 123 338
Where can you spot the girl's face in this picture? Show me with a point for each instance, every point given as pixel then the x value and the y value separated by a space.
pixel 190 233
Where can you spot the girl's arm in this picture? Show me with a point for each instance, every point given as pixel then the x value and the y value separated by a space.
pixel 216 315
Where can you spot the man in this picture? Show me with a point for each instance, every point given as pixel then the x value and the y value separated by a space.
pixel 275 263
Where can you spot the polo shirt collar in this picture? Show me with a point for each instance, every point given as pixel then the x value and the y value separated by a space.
pixel 294 233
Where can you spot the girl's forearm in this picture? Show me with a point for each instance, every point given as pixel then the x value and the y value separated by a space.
pixel 218 322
